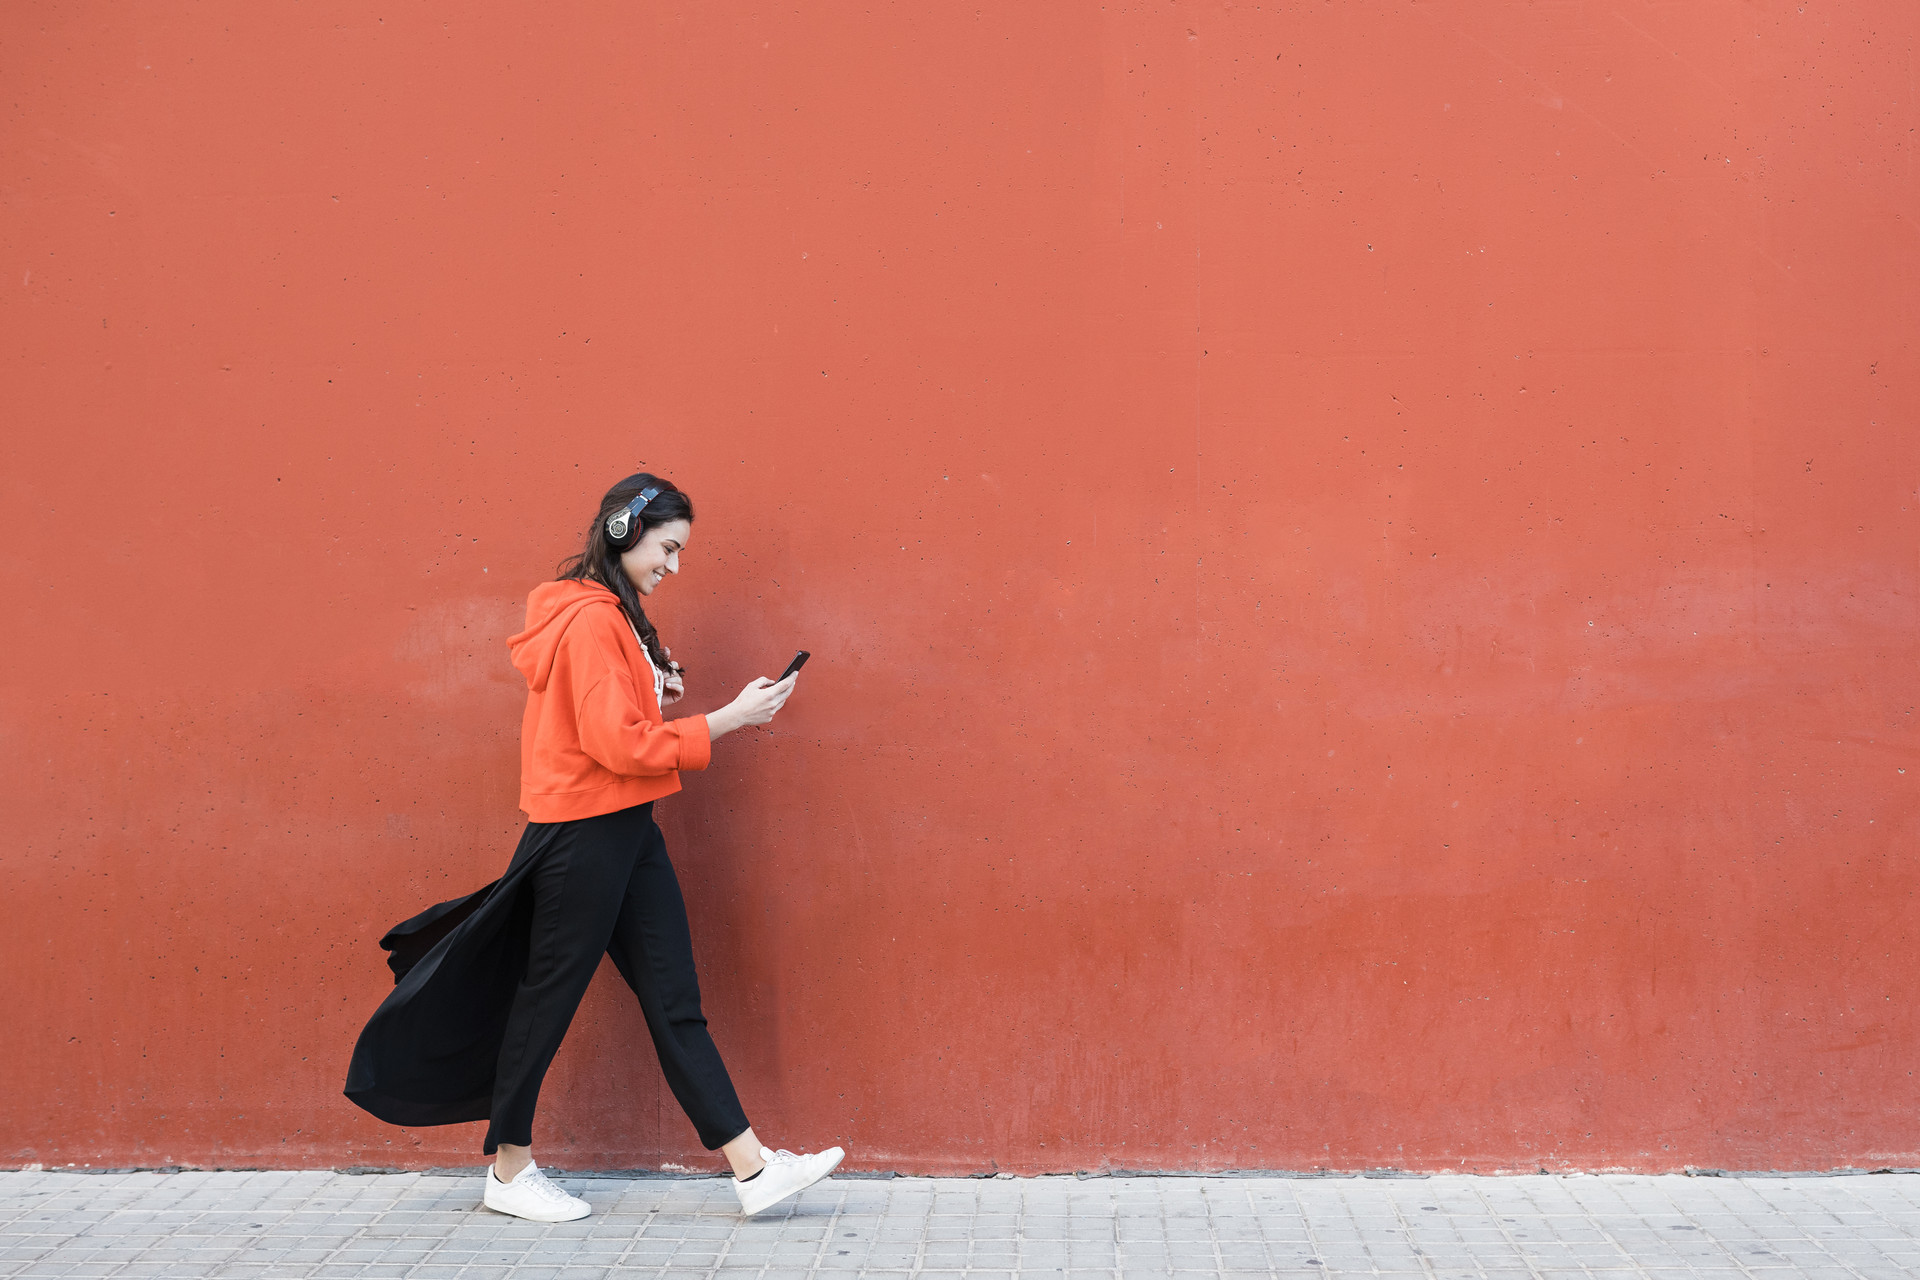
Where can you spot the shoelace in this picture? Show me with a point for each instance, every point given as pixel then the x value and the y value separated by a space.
pixel 545 1187
pixel 782 1156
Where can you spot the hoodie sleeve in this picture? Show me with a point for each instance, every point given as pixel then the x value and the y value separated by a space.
pixel 619 725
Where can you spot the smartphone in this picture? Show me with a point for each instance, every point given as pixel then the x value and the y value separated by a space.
pixel 799 661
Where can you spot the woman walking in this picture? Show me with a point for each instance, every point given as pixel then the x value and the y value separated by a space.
pixel 486 985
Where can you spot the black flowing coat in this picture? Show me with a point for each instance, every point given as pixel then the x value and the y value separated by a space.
pixel 429 1053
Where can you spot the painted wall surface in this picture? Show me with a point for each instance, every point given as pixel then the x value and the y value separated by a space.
pixel 1360 560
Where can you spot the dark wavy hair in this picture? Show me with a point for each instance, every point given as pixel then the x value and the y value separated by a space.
pixel 599 561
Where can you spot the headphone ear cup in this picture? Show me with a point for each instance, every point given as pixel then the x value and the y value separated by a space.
pixel 623 526
pixel 620 529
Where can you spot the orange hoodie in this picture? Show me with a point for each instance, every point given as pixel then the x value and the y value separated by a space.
pixel 593 740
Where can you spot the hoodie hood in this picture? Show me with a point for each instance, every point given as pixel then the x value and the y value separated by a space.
pixel 550 607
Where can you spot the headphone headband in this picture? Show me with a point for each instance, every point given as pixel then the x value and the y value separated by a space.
pixel 624 524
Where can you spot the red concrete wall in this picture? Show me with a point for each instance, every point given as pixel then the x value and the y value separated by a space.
pixel 1360 558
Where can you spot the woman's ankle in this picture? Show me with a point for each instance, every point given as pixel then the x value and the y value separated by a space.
pixel 509 1160
pixel 743 1154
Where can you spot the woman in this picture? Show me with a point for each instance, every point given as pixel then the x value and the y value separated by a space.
pixel 486 985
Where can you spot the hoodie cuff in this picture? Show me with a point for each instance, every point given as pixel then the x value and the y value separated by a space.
pixel 696 743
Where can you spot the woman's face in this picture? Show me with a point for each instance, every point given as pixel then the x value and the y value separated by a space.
pixel 656 555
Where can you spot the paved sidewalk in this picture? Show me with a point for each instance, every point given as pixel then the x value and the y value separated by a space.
pixel 320 1224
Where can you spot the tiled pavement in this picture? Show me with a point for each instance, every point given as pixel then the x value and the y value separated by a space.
pixel 323 1224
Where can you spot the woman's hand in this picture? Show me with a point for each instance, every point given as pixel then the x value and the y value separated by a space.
pixel 758 703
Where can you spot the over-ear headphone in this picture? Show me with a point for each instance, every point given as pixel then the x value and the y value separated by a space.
pixel 623 526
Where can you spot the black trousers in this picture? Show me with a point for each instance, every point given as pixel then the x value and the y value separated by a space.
pixel 604 886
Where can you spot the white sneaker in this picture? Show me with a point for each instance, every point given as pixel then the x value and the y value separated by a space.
pixel 785 1174
pixel 532 1194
